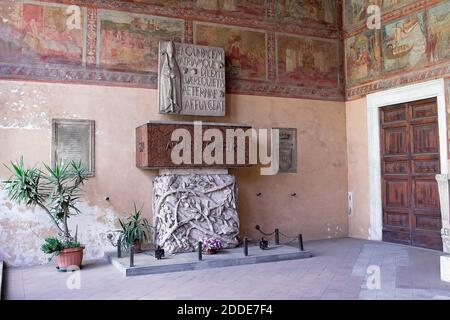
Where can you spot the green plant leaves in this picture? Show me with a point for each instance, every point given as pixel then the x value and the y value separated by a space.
pixel 134 229
pixel 56 190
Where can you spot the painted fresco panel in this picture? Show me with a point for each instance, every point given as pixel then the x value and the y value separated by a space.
pixel 245 49
pixel 41 32
pixel 363 57
pixel 321 10
pixel 242 7
pixel 130 41
pixel 404 43
pixel 165 3
pixel 395 4
pixel 439 32
pixel 355 11
pixel 307 61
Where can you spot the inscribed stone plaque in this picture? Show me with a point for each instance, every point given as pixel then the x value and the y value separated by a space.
pixel 73 140
pixel 191 79
pixel 288 150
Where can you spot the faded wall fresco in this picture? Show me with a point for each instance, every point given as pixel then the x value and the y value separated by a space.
pixel 355 11
pixel 414 41
pixel 130 41
pixel 404 43
pixel 307 61
pixel 439 32
pixel 240 7
pixel 245 49
pixel 38 32
pixel 318 11
pixel 363 57
pixel 395 4
pixel 116 42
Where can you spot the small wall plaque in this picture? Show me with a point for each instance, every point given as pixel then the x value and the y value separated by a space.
pixel 191 79
pixel 74 140
pixel 288 150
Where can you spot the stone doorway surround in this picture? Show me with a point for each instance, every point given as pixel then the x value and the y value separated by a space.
pixel 419 91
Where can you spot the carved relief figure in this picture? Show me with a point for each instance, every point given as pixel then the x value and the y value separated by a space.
pixel 169 81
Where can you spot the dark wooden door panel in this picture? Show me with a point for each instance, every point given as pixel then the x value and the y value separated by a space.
pixel 409 162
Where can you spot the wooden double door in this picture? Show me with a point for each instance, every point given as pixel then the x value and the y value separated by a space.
pixel 409 163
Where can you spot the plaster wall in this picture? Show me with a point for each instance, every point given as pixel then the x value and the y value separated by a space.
pixel 319 210
pixel 358 168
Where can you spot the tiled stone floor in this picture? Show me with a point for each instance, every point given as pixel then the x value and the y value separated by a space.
pixel 339 269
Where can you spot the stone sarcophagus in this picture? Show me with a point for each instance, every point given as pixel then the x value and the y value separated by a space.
pixel 192 206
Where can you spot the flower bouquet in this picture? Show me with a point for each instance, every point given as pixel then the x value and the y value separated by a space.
pixel 211 246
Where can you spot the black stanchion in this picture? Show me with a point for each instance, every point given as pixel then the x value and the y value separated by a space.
pixel 119 249
pixel 245 246
pixel 300 241
pixel 200 257
pixel 277 236
pixel 131 257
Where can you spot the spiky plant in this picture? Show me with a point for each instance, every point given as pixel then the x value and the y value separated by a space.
pixel 135 228
pixel 55 190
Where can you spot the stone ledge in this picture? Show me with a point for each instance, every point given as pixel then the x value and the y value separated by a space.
pixel 145 263
pixel 1 278
pixel 445 268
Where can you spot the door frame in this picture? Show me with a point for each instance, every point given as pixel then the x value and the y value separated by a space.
pixel 419 91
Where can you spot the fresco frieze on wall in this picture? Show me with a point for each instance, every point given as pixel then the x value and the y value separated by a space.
pixel 115 46
pixel 323 11
pixel 404 43
pixel 245 49
pixel 307 61
pixel 415 47
pixel 130 41
pixel 395 4
pixel 40 32
pixel 363 57
pixel 439 32
pixel 355 11
pixel 241 7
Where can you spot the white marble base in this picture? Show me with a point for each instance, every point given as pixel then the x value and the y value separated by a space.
pixel 190 207
pixel 445 268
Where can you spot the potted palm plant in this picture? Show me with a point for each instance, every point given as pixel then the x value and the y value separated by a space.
pixel 134 231
pixel 56 191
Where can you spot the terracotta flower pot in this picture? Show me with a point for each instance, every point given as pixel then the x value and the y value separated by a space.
pixel 70 257
pixel 137 246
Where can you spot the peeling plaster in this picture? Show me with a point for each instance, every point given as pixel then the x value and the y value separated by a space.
pixel 23 229
pixel 26 109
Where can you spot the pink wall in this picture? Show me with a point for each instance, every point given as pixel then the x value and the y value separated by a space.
pixel 318 211
pixel 358 167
